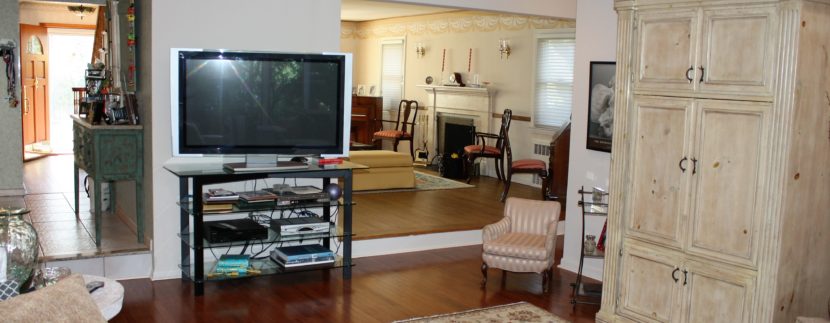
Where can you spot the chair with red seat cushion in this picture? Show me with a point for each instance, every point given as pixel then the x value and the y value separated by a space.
pixel 496 151
pixel 404 129
pixel 526 166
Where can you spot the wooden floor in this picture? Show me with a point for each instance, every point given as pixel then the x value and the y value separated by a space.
pixel 382 289
pixel 392 214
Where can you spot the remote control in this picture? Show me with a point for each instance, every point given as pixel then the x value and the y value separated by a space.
pixel 94 285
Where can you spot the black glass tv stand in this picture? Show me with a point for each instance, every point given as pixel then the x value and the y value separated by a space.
pixel 194 177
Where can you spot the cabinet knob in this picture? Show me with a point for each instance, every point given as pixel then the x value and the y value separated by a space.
pixel 689 77
pixel 673 273
pixel 701 74
pixel 685 276
pixel 681 164
pixel 694 166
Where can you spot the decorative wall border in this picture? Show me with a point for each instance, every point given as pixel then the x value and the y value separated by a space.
pixel 459 22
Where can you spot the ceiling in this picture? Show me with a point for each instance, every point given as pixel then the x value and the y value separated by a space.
pixel 363 10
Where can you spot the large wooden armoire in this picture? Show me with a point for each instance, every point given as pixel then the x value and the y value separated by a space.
pixel 720 173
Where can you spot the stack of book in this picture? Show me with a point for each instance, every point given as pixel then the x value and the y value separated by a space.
pixel 218 200
pixel 234 265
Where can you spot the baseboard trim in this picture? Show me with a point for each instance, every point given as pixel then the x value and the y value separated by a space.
pixel 13 192
pixel 388 246
pixel 592 268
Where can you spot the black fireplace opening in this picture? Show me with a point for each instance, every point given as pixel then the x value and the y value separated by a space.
pixel 454 133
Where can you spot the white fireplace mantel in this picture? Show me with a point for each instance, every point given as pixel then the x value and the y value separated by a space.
pixel 471 102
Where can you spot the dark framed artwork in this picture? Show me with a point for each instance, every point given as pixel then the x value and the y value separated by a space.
pixel 601 105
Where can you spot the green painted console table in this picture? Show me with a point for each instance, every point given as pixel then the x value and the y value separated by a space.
pixel 107 154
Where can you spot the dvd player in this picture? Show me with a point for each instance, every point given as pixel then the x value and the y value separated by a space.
pixel 293 226
pixel 234 230
pixel 302 255
pixel 288 195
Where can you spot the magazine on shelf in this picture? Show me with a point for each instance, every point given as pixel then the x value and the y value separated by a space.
pixel 220 195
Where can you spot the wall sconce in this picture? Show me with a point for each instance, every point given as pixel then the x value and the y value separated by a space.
pixel 81 11
pixel 420 50
pixel 504 48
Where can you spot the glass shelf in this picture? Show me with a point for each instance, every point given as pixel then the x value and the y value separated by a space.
pixel 273 237
pixel 263 267
pixel 596 254
pixel 594 208
pixel 187 206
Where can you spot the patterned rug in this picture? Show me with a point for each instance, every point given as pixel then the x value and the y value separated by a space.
pixel 426 182
pixel 516 312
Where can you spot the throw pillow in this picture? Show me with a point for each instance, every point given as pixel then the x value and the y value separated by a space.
pixel 9 289
pixel 66 301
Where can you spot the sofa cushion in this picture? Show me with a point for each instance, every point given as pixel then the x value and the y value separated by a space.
pixel 518 245
pixel 380 158
pixel 66 301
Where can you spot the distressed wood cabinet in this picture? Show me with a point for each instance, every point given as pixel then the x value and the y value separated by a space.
pixel 719 181
pixel 108 154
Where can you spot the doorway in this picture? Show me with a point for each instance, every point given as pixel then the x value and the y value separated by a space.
pixel 71 51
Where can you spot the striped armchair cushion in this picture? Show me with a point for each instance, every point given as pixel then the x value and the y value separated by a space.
pixel 392 134
pixel 518 245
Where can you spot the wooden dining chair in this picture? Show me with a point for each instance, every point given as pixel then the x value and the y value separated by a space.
pixel 489 145
pixel 404 128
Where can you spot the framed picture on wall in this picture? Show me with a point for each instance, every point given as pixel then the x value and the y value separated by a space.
pixel 601 106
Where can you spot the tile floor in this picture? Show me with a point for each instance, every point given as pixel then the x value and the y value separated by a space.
pixel 61 235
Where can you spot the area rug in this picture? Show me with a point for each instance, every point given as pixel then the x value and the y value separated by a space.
pixel 425 182
pixel 516 312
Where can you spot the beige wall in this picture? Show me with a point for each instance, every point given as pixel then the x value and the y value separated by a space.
pixel 549 8
pixel 11 158
pixel 458 33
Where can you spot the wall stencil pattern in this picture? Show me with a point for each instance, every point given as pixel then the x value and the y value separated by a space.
pixel 459 22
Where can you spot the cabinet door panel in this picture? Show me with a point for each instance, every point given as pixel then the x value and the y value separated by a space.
pixel 658 185
pixel 715 294
pixel 726 213
pixel 647 290
pixel 666 49
pixel 737 50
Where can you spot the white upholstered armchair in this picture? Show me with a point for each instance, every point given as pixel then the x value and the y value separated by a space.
pixel 524 240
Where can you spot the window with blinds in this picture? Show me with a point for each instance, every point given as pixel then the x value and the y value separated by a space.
pixel 553 93
pixel 392 73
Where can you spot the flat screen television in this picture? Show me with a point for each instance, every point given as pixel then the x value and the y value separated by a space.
pixel 260 103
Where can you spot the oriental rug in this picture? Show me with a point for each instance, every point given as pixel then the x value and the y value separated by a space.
pixel 516 312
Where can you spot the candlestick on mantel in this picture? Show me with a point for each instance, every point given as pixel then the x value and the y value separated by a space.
pixel 443 59
pixel 469 60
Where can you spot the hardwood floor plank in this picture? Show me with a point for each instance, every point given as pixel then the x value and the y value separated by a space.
pixel 382 289
pixel 391 214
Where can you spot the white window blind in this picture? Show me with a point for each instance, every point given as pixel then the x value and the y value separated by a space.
pixel 554 80
pixel 392 73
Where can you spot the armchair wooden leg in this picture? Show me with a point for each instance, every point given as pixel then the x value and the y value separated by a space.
pixel 484 273
pixel 546 278
pixel 412 149
pixel 395 146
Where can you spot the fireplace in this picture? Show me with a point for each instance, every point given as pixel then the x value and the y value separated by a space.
pixel 454 133
pixel 472 105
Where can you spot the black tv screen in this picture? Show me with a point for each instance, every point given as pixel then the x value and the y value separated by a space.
pixel 261 103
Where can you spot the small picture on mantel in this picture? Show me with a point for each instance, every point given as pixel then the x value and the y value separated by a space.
pixel 601 106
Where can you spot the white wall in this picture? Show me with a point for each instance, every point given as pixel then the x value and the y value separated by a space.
pixel 596 40
pixel 309 25
pixel 11 172
pixel 549 8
